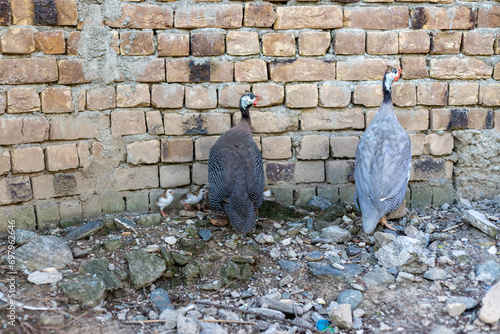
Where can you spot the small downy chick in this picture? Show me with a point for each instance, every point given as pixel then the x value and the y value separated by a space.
pixel 268 194
pixel 192 197
pixel 165 200
pixel 204 200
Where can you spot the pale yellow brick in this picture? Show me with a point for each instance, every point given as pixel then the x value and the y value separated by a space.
pixel 139 177
pixel 463 93
pixel 432 93
pixel 301 95
pixel 242 43
pixel 4 162
pixel 101 98
pixel 314 43
pixel 229 96
pixel 381 42
pixel 313 147
pixel 404 94
pixel 437 144
pixel 83 154
pixel 177 150
pixel 196 123
pixel 250 70
pixel 417 144
pixel 278 147
pixel 203 146
pixel 199 97
pixel 309 171
pixel 323 119
pixel 169 96
pixel 154 122
pixel 143 152
pixel 272 94
pixel 368 95
pixel 61 157
pixel 344 147
pixel 271 122
pixel 334 96
pixel 128 122
pixel 410 120
pixel 27 160
pixel 172 176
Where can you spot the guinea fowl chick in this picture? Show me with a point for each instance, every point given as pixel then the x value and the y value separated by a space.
pixel 235 171
pixel 383 162
pixel 204 200
pixel 192 198
pixel 165 200
pixel 268 194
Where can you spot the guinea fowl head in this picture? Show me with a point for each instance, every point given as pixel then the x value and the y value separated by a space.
pixel 246 101
pixel 391 74
pixel 170 192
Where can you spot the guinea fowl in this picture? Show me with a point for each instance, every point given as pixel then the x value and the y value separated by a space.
pixel 235 171
pixel 192 198
pixel 205 197
pixel 383 162
pixel 165 200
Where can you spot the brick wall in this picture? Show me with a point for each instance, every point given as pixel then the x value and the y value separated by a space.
pixel 102 105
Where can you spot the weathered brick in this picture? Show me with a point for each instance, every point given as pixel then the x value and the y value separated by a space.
pixel 5 164
pixel 432 93
pixel 74 43
pixel 171 45
pixel 460 68
pixel 312 17
pixel 28 70
pixel 70 209
pixel 81 97
pixel 417 144
pixel 137 16
pixel 5 13
pixel 50 42
pixel 203 146
pixel 404 94
pixel 349 42
pixel 250 70
pixel 154 122
pixel 314 43
pixel 136 43
pixel 18 41
pixel 496 73
pixel 225 16
pixel 340 171
pixel 196 123
pixel 478 44
pixel 27 160
pixel 242 43
pixel 302 69
pixel 65 12
pixel 488 17
pixel 3 103
pixel 15 189
pixel 128 122
pixel 395 17
pixel 259 15
pixel 271 94
pixel 363 69
pixel 410 120
pixel 101 98
pixel 442 18
pixel 435 169
pixel 334 96
pixel 278 44
pixel 138 201
pixel 421 195
pixel 323 119
pixel 172 176
pixel 177 150
pixel 229 96
pixel 207 43
pixel 47 214
pixel 74 71
pixel 448 119
pixel 57 100
pixel 489 94
pixel 446 42
pixel 462 93
pixel 416 41
pixel 143 152
pixel 22 99
pixel 198 97
pixel 83 154
pixel 129 96
pixel 279 147
pixel 368 95
pixel 497 120
pixel 480 119
pixel 61 157
pixel 279 172
pixel 141 70
pixel 414 67
pixel 22 12
pixel 140 177
pixel 443 194
pixel 437 144
pixel 270 122
pixel 314 147
pixel 344 147
pixel 167 96
pixel 309 171
pixel 301 95
pixel 381 42
pixel 200 173
pixel 186 70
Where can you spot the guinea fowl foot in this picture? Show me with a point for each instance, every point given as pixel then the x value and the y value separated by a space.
pixel 384 222
pixel 163 214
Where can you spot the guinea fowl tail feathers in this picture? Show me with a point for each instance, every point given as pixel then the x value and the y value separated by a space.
pixel 369 217
pixel 241 212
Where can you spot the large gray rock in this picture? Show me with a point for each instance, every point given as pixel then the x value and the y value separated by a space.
pixel 341 316
pixel 161 300
pixel 99 268
pixel 87 291
pixel 324 270
pixel 187 325
pixel 479 221
pixel 469 302
pixel 289 266
pixel 317 203
pixel 44 252
pixel 84 231
pixel 406 254
pixel 378 276
pixel 144 268
pixel 22 235
pixel 336 234
pixel 490 311
pixel 487 272
pixel 40 277
pixel 351 297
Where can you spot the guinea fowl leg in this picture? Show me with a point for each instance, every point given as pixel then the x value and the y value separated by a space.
pixel 163 213
pixel 384 222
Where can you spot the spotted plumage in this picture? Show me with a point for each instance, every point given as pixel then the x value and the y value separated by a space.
pixel 383 162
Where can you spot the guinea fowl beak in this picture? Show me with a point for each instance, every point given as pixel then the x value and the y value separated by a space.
pixel 399 74
pixel 257 98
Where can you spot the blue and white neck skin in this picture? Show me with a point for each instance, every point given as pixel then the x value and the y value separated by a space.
pixel 390 76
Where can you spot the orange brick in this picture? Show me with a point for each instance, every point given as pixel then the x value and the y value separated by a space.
pixel 363 69
pixel 350 42
pixel 4 162
pixel 489 94
pixel 186 70
pixel 279 147
pixel 198 97
pixel 242 43
pixel 67 14
pixel 395 17
pixel 167 96
pixel 271 93
pixel 404 94
pixel 271 122
pixel 278 44
pixel 229 96
pixel 488 17
pixel 411 120
pixel 132 96
pixel 314 43
pixel 460 68
pixel 417 144
pixel 480 119
pixel 463 93
pixel 57 100
pixel 22 12
pixel 207 43
pixel 301 95
pixel 414 68
pixel 334 96
pixel 324 119
pixel 82 125
pixel 196 123
pixel 416 41
pixel 101 98
pixel 171 45
pixel 143 152
pixel 143 17
pixel 225 16
pixel 5 14
pixel 381 42
pixel 259 15
pixel 35 129
pixel 368 95
pixel 445 42
pixel 177 150
pixel 61 157
pixel 18 41
pixel 312 17
pixel 136 43
pixel 250 70
pixel 74 43
pixel 50 42
pixel 73 71
pixel 154 122
pixel 442 18
pixel 432 93
pixel 128 122
pixel 22 99
pixel 478 44
pixel 28 70
pixel 302 69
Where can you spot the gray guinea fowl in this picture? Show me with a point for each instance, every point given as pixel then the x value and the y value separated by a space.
pixel 383 162
pixel 235 171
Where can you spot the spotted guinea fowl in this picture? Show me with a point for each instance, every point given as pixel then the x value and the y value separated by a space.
pixel 383 162
pixel 192 198
pixel 235 171
pixel 165 200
